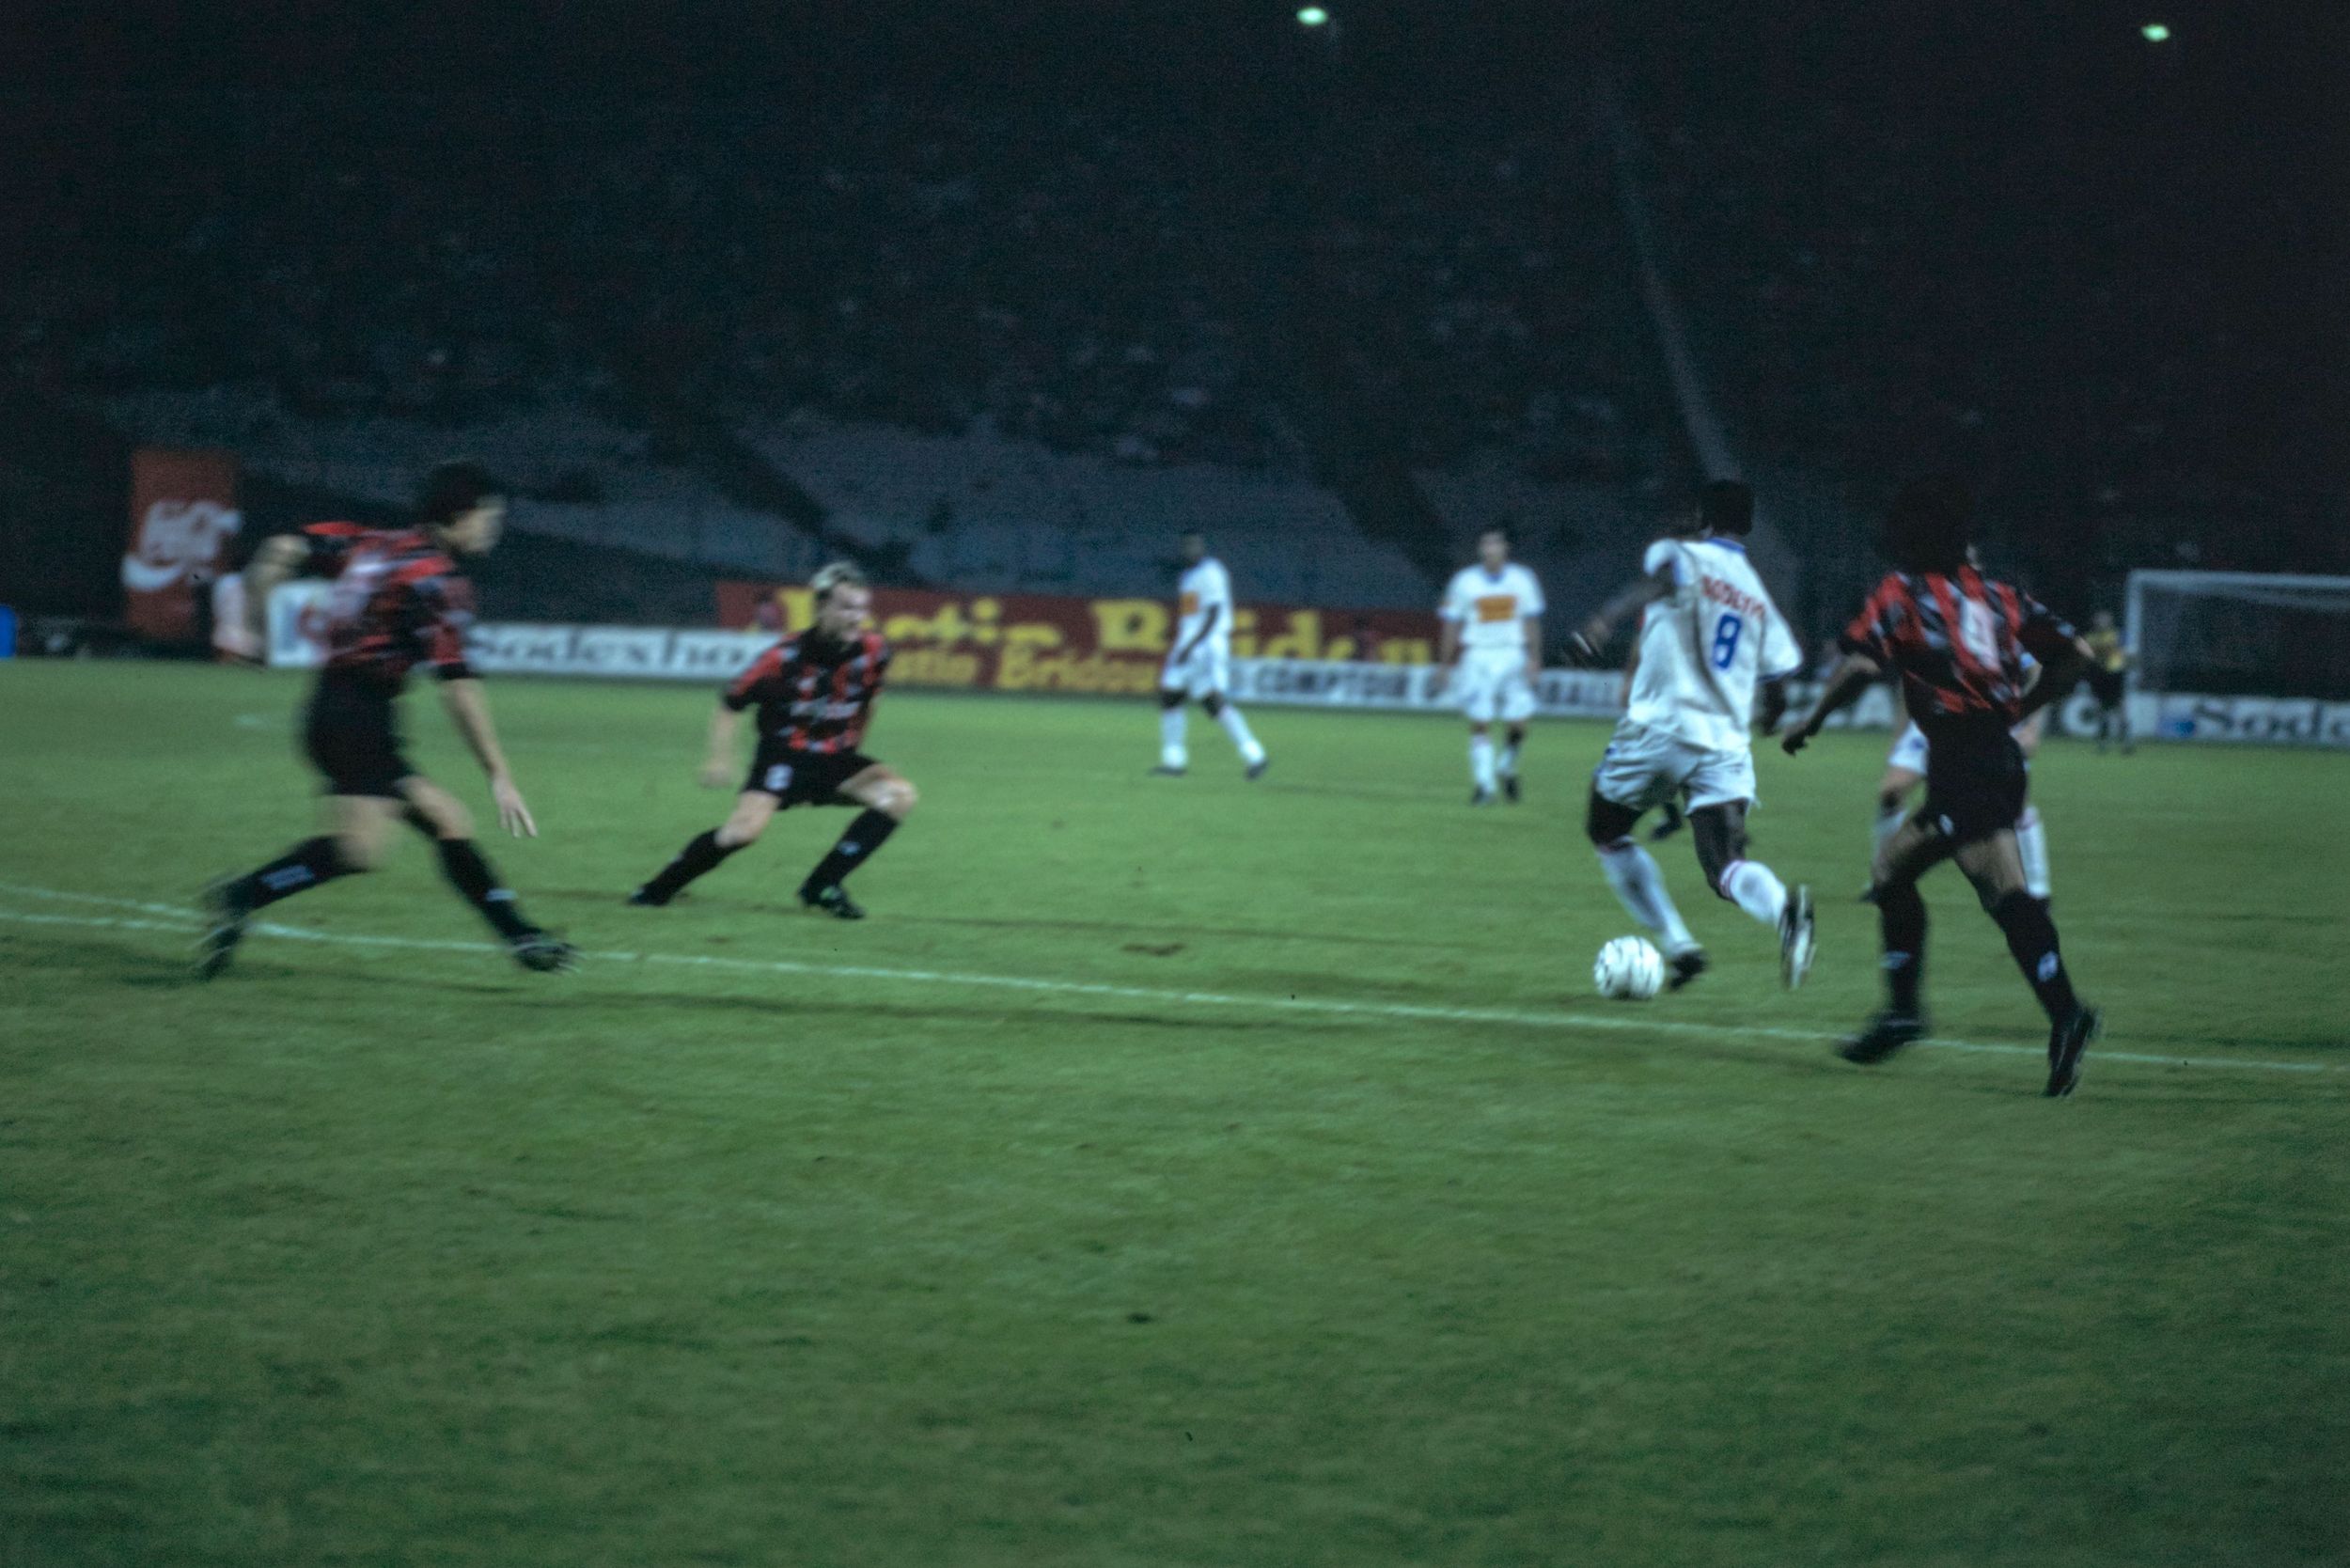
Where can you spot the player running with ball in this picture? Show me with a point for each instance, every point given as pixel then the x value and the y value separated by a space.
pixel 815 692
pixel 1958 640
pixel 1709 631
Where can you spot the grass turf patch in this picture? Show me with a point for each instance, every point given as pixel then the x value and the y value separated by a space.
pixel 381 1254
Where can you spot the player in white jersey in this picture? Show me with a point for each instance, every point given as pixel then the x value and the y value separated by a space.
pixel 1491 655
pixel 1199 667
pixel 1708 632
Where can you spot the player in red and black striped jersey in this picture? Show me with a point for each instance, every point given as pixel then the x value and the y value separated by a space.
pixel 814 692
pixel 399 602
pixel 1957 640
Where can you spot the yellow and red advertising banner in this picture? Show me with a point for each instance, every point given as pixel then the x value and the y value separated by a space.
pixel 1026 642
pixel 183 508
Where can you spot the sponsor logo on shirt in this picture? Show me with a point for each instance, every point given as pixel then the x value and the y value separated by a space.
pixel 1497 606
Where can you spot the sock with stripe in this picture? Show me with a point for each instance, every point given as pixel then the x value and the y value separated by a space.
pixel 299 869
pixel 469 872
pixel 863 838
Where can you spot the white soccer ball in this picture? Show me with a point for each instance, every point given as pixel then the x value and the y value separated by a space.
pixel 1630 969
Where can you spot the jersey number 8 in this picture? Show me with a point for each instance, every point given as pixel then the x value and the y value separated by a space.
pixel 1726 632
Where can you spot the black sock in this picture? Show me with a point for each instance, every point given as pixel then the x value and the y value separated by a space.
pixel 2031 936
pixel 866 834
pixel 1903 915
pixel 308 864
pixel 702 855
pixel 470 875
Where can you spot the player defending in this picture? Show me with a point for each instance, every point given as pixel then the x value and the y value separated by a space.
pixel 2109 681
pixel 1958 640
pixel 1491 657
pixel 1199 666
pixel 1906 769
pixel 815 692
pixel 1708 631
pixel 399 601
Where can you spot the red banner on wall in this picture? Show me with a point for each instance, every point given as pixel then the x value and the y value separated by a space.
pixel 183 508
pixel 1045 642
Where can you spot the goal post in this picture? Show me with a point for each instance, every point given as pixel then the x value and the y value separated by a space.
pixel 2237 656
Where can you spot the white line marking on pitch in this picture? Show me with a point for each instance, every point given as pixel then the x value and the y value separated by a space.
pixel 183 921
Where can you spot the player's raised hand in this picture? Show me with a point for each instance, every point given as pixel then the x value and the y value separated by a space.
pixel 1583 652
pixel 513 815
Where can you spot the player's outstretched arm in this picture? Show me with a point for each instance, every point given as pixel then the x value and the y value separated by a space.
pixel 2058 676
pixel 469 710
pixel 279 559
pixel 1851 679
pixel 1593 636
pixel 717 770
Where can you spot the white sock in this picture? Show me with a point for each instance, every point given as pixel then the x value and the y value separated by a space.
pixel 2032 842
pixel 1888 823
pixel 1171 752
pixel 1482 761
pixel 1753 887
pixel 1237 727
pixel 1642 888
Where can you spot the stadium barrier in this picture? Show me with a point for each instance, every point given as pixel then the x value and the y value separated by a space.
pixel 708 656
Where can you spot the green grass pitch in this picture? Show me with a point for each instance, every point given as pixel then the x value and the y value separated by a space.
pixel 1169 1172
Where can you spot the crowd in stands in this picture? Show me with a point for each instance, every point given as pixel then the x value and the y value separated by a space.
pixel 1117 285
pixel 1122 283
pixel 1486 288
pixel 2063 283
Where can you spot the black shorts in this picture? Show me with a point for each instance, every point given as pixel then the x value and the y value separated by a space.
pixel 2105 686
pixel 351 735
pixel 1975 779
pixel 806 778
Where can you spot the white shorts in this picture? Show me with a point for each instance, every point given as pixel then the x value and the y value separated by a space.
pixel 1643 768
pixel 1207 673
pixel 1492 684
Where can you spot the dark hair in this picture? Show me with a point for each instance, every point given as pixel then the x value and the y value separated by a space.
pixel 1930 525
pixel 454 489
pixel 1501 528
pixel 1727 507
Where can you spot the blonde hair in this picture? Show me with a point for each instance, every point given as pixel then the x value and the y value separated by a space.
pixel 836 574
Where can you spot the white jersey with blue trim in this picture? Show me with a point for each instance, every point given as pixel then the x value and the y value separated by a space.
pixel 1704 646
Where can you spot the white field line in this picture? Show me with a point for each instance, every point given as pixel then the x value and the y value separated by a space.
pixel 182 921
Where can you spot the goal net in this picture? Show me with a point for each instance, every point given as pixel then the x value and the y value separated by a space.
pixel 2233 634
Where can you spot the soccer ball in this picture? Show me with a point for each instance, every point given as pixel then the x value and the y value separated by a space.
pixel 1630 969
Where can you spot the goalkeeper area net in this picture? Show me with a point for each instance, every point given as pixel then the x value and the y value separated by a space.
pixel 2233 634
